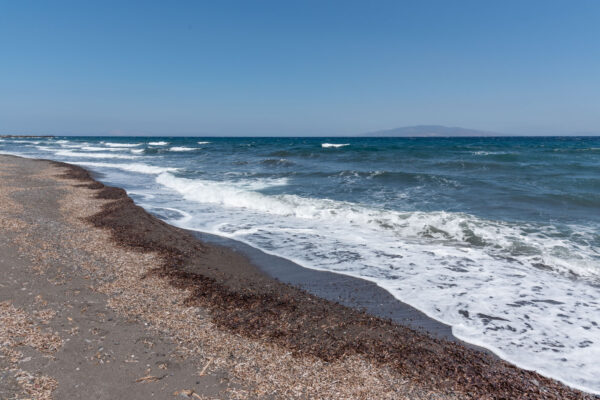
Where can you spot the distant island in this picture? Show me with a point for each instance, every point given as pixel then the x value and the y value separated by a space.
pixel 430 131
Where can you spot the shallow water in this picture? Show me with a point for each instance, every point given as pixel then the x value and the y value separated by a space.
pixel 497 237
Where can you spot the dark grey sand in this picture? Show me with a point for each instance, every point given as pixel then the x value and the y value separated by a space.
pixel 103 353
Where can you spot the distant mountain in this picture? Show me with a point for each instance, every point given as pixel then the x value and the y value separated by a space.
pixel 430 131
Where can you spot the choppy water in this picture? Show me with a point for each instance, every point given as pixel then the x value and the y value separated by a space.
pixel 497 237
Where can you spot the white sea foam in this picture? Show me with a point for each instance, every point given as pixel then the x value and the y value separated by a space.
pixel 236 194
pixel 203 142
pixel 336 145
pixel 95 148
pixel 137 151
pixel 77 145
pixel 158 143
pixel 110 144
pixel 183 216
pixel 25 141
pixel 181 148
pixel 46 148
pixel 70 153
pixel 131 167
pixel 499 238
pixel 12 153
pixel 513 288
pixel 487 153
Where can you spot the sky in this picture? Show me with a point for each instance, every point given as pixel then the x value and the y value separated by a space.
pixel 211 68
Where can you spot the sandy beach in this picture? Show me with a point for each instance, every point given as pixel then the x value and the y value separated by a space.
pixel 99 299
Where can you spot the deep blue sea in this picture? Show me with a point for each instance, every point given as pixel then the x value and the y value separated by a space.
pixel 497 237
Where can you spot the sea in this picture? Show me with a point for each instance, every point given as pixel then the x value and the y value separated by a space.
pixel 497 237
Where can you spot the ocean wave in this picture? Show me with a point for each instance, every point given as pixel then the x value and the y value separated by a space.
pixel 277 162
pixel 385 177
pixel 241 193
pixel 182 148
pixel 24 141
pixel 487 153
pixel 499 239
pixel 131 167
pixel 171 213
pixel 69 145
pixel 70 153
pixel 335 145
pixel 112 144
pixel 46 148
pixel 281 153
pixel 203 142
pixel 158 143
pixel 96 148
pixel 571 150
pixel 12 153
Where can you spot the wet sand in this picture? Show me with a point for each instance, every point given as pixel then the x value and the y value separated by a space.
pixel 201 320
pixel 356 293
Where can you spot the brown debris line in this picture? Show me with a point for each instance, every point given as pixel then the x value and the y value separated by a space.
pixel 247 302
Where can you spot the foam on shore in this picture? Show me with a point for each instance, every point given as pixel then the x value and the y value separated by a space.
pixel 457 268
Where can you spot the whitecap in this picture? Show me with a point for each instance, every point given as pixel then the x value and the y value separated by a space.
pixel 46 148
pixel 95 148
pixel 158 143
pixel 131 167
pixel 12 153
pixel 335 145
pixel 70 153
pixel 78 145
pixel 25 141
pixel 182 148
pixel 111 144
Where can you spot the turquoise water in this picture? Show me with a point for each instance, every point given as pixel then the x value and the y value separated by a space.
pixel 498 237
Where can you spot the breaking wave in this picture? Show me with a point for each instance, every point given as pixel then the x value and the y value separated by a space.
pixel 182 148
pixel 133 167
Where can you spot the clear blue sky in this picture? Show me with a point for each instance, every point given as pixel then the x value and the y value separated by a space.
pixel 298 67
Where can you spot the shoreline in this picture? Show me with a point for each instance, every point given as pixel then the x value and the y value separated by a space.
pixel 356 293
pixel 243 299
